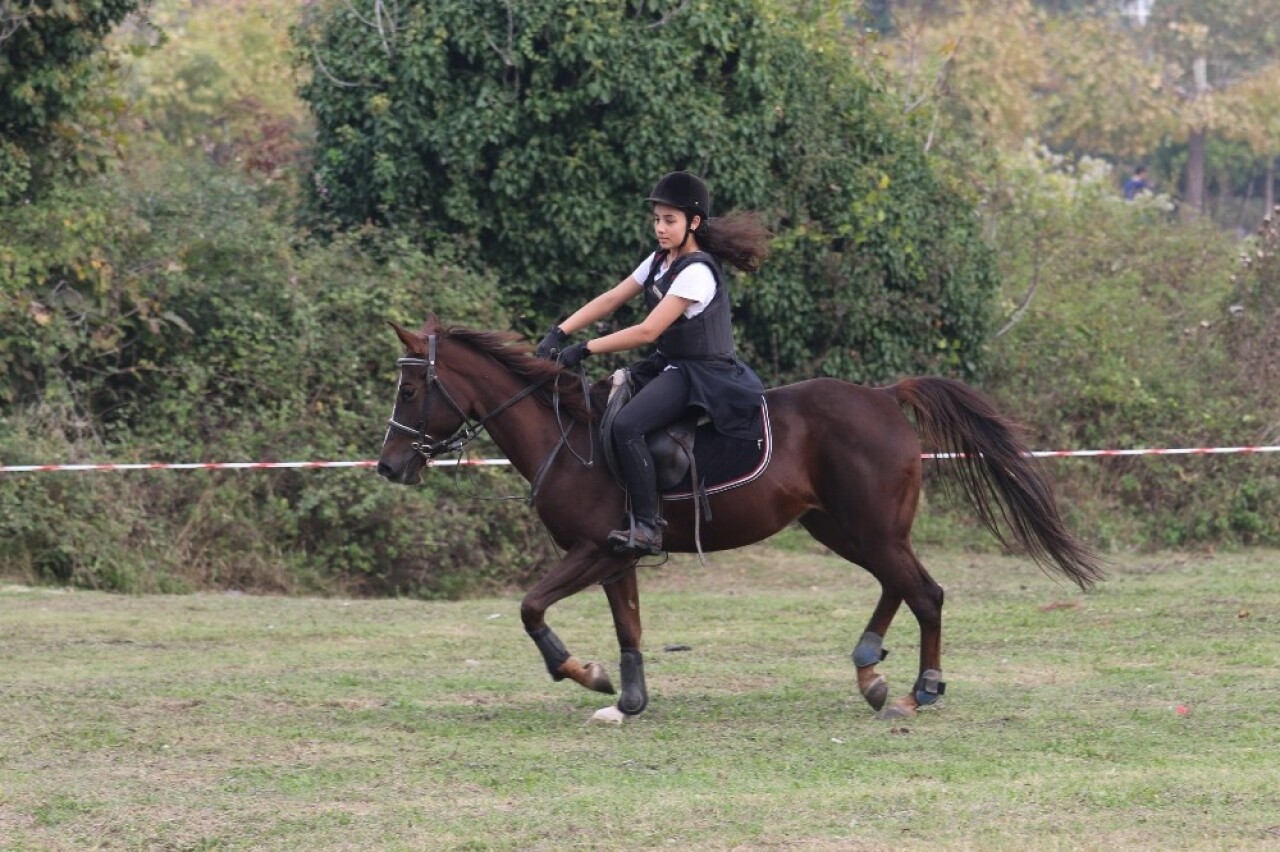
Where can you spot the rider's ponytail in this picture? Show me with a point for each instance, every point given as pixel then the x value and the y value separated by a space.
pixel 740 239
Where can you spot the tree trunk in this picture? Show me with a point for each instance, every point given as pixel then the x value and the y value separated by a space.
pixel 1241 228
pixel 1193 194
pixel 1269 188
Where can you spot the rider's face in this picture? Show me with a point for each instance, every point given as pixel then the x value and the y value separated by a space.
pixel 669 225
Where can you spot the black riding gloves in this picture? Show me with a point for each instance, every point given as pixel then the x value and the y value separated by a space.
pixel 552 345
pixel 573 355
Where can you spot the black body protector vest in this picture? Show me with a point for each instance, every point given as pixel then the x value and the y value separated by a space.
pixel 710 333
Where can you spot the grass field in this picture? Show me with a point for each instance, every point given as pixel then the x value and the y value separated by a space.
pixel 1141 716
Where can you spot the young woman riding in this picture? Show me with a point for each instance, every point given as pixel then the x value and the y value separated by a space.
pixel 695 363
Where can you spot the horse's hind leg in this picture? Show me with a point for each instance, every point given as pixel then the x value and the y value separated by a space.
pixel 902 578
pixel 582 566
pixel 924 596
pixel 869 651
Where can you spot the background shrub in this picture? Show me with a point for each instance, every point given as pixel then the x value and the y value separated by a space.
pixel 192 324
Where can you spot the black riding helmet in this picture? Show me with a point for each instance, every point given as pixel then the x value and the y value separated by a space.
pixel 684 191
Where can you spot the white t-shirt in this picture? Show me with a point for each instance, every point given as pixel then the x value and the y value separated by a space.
pixel 694 282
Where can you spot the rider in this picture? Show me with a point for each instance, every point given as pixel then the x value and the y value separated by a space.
pixel 694 364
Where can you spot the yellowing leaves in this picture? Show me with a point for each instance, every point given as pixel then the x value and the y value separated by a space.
pixel 41 314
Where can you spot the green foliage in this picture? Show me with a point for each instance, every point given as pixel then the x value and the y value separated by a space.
pixel 48 68
pixel 1128 341
pixel 885 274
pixel 537 127
pixel 492 170
pixel 218 80
pixel 176 319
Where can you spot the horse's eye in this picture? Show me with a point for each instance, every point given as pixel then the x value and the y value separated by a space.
pixel 406 394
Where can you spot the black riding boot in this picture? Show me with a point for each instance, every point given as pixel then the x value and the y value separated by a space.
pixel 644 532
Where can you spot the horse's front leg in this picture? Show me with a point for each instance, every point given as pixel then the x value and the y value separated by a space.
pixel 624 600
pixel 583 565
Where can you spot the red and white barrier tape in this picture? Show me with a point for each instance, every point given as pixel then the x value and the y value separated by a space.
pixel 1043 454
pixel 62 468
pixel 1153 451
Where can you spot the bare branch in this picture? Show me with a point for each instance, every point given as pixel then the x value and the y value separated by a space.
pixel 508 54
pixel 1027 296
pixel 669 17
pixel 361 18
pixel 933 127
pixel 11 20
pixel 325 71
pixel 939 81
pixel 379 14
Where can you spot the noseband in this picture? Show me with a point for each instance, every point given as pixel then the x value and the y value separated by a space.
pixel 426 444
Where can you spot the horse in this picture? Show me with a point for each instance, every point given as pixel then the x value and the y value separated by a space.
pixel 846 464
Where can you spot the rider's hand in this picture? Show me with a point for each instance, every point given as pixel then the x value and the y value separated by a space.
pixel 572 356
pixel 552 344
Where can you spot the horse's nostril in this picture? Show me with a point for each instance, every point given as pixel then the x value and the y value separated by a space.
pixel 384 470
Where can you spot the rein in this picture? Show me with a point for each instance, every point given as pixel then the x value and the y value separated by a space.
pixel 429 447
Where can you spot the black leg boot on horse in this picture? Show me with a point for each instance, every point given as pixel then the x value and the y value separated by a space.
pixel 643 533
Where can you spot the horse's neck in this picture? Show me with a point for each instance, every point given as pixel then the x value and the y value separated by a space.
pixel 527 432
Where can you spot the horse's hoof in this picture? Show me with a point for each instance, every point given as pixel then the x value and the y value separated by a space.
pixel 897 710
pixel 633 701
pixel 608 716
pixel 598 678
pixel 877 693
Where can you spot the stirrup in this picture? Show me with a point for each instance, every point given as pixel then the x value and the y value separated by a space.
pixel 627 541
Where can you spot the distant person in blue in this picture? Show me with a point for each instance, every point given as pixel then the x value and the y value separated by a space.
pixel 1136 183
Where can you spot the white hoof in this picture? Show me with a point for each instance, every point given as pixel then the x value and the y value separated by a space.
pixel 608 716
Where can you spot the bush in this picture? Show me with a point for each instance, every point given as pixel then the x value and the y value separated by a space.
pixel 51 123
pixel 537 127
pixel 189 324
pixel 1129 341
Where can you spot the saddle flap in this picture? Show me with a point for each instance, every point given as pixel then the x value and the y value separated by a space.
pixel 672 449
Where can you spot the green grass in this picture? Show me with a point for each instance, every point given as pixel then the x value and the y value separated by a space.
pixel 234 722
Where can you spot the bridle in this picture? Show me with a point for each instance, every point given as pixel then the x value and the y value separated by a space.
pixel 427 445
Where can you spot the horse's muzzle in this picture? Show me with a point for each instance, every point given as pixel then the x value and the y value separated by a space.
pixel 408 474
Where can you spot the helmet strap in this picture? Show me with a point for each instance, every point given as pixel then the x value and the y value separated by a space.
pixel 688 231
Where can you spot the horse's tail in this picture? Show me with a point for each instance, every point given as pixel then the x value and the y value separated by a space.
pixel 997 473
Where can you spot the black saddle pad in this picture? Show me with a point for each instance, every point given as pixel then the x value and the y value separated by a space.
pixel 724 462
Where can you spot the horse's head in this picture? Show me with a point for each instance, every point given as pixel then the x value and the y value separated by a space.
pixel 426 417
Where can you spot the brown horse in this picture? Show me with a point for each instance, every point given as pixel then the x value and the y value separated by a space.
pixel 846 463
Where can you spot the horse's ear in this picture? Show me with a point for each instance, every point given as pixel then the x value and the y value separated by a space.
pixel 411 341
pixel 432 325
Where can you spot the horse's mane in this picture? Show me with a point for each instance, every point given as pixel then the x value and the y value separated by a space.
pixel 515 355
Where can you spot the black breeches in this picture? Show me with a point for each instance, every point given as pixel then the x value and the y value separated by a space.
pixel 659 403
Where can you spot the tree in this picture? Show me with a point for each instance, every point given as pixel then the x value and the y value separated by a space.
pixel 1207 46
pixel 1015 72
pixel 219 81
pixel 50 59
pixel 535 127
pixel 1116 79
pixel 1256 120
